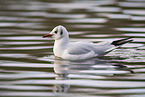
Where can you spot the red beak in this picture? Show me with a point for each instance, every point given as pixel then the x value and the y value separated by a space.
pixel 47 35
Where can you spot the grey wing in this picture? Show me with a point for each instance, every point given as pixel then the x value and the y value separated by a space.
pixel 78 49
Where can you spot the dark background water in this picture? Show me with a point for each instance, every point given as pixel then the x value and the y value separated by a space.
pixel 28 68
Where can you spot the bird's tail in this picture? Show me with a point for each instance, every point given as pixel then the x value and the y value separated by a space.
pixel 122 41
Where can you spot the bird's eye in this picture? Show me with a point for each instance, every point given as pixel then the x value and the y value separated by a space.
pixel 55 32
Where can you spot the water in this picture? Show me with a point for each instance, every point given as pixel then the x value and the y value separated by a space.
pixel 28 68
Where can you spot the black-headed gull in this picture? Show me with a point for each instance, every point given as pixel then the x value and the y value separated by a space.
pixel 65 49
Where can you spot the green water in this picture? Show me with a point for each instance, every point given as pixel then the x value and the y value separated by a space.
pixel 27 65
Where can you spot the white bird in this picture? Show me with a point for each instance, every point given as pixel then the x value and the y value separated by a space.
pixel 65 49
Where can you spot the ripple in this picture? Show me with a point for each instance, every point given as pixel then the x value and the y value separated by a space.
pixel 93 39
pixel 78 5
pixel 27 75
pixel 135 0
pixel 118 16
pixel 138 18
pixel 7 24
pixel 135 34
pixel 103 72
pixel 132 4
pixel 52 15
pixel 87 20
pixel 22 64
pixel 90 83
pixel 15 55
pixel 134 12
pixel 136 59
pixel 23 38
pixel 129 55
pixel 21 43
pixel 27 48
pixel 27 94
pixel 102 35
pixel 89 26
pixel 105 9
pixel 21 87
pixel 139 39
pixel 9 18
pixel 131 29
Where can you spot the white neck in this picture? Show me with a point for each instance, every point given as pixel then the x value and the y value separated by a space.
pixel 60 45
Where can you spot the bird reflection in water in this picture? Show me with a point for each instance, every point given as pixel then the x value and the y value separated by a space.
pixel 63 68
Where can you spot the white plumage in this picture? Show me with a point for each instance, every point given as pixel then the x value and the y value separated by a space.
pixel 79 50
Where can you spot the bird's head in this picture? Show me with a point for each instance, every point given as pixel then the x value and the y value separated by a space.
pixel 57 33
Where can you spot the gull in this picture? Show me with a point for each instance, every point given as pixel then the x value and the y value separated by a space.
pixel 65 49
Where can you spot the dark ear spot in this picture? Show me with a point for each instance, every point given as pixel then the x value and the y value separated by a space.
pixel 56 31
pixel 61 32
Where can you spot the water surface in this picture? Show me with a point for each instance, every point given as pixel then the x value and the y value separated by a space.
pixel 28 67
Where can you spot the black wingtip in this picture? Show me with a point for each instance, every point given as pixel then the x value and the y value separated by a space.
pixel 122 41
